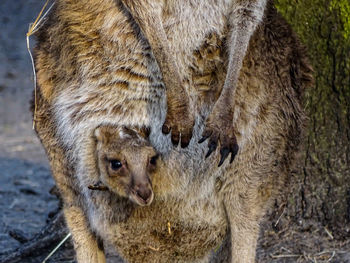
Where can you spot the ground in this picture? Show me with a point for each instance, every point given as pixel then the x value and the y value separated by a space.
pixel 25 179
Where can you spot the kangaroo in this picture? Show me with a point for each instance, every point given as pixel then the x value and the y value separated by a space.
pixel 243 18
pixel 95 68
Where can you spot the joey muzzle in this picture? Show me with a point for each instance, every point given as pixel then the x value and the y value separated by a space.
pixel 142 194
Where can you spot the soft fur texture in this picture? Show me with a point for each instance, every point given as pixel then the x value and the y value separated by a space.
pixel 125 163
pixel 243 16
pixel 95 67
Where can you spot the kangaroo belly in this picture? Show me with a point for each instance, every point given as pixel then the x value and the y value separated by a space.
pixel 164 232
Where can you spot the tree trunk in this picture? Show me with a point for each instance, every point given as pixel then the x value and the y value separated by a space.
pixel 321 184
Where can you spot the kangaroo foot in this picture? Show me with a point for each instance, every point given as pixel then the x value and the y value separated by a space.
pixel 179 121
pixel 219 128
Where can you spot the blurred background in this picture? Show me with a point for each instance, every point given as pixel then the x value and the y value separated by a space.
pixel 25 179
pixel 310 224
pixel 323 192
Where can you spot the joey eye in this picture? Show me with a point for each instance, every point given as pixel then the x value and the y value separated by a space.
pixel 115 164
pixel 153 160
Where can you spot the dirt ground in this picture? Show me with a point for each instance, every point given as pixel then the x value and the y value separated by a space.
pixel 25 202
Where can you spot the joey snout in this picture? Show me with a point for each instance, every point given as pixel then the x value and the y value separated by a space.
pixel 142 193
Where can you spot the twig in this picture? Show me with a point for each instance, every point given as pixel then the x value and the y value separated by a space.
pixel 327 252
pixel 328 233
pixel 153 248
pixel 32 29
pixel 278 220
pixel 34 76
pixel 285 256
pixel 169 228
pixel 324 252
pixel 285 249
pixel 57 247
pixel 333 254
pixel 98 187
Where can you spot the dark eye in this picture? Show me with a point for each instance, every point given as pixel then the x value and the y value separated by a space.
pixel 115 164
pixel 153 160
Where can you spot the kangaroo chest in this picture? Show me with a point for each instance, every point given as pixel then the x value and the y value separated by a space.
pixel 188 23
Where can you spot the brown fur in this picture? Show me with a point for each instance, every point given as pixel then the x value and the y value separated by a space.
pixel 95 68
pixel 126 163
pixel 243 16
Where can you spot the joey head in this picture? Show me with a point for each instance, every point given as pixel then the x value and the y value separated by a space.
pixel 126 163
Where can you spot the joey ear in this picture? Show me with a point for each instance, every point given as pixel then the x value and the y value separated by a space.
pixel 126 132
pixel 98 134
pixel 145 132
pixel 102 134
pixel 135 132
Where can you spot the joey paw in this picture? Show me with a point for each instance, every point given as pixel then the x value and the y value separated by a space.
pixel 225 134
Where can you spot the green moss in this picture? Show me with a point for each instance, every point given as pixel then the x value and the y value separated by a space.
pixel 324 27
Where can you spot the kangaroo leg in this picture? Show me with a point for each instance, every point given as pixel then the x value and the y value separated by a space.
pixel 245 17
pixel 85 243
pixel 179 120
pixel 244 227
pixel 245 197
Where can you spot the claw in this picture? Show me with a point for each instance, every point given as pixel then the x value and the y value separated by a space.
pixel 212 146
pixel 205 136
pixel 175 138
pixel 202 139
pixel 165 129
pixel 184 142
pixel 234 151
pixel 224 152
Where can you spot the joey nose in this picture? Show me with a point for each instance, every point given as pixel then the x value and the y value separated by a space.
pixel 144 193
